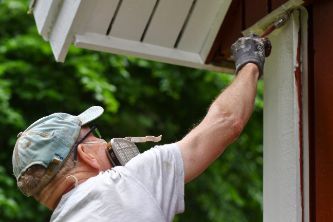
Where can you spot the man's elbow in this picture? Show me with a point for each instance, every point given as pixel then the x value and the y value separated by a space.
pixel 237 126
pixel 228 123
pixel 233 124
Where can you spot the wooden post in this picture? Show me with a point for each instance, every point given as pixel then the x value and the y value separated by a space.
pixel 283 154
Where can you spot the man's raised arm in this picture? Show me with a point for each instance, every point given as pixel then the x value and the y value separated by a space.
pixel 229 113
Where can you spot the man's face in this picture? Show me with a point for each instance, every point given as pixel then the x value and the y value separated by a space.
pixel 96 147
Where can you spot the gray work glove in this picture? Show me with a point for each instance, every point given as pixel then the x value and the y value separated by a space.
pixel 251 49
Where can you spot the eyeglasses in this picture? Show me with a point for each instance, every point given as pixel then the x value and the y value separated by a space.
pixel 96 132
pixel 92 130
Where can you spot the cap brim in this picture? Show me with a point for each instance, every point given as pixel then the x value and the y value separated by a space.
pixel 90 114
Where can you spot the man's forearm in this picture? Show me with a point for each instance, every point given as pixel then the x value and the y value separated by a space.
pixel 230 111
pixel 237 100
pixel 223 123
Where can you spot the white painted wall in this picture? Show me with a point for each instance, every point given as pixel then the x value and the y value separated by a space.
pixel 282 169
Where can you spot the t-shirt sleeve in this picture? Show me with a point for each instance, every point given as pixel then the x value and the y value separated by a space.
pixel 161 171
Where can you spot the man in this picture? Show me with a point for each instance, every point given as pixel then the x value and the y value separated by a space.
pixel 58 161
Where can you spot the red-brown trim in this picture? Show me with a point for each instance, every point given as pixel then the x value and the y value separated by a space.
pixel 254 10
pixel 323 109
pixel 277 3
pixel 311 119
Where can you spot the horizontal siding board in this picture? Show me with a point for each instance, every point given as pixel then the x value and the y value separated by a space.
pixel 167 22
pixel 132 18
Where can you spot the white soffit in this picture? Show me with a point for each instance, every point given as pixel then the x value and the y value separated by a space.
pixel 173 31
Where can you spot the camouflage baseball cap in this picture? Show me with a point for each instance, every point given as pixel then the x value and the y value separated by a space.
pixel 48 142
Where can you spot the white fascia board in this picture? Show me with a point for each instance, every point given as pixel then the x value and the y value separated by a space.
pixel 71 19
pixel 45 13
pixel 147 51
pixel 283 198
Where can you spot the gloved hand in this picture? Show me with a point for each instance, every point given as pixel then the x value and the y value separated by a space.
pixel 251 49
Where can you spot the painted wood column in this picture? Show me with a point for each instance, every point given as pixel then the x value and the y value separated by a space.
pixel 283 145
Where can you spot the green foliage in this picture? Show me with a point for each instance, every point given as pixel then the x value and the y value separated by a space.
pixel 140 97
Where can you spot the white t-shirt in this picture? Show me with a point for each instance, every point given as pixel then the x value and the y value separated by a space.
pixel 150 188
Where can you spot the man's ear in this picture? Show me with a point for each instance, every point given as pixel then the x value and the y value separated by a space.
pixel 87 157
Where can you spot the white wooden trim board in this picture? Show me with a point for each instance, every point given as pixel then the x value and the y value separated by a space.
pixel 282 161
